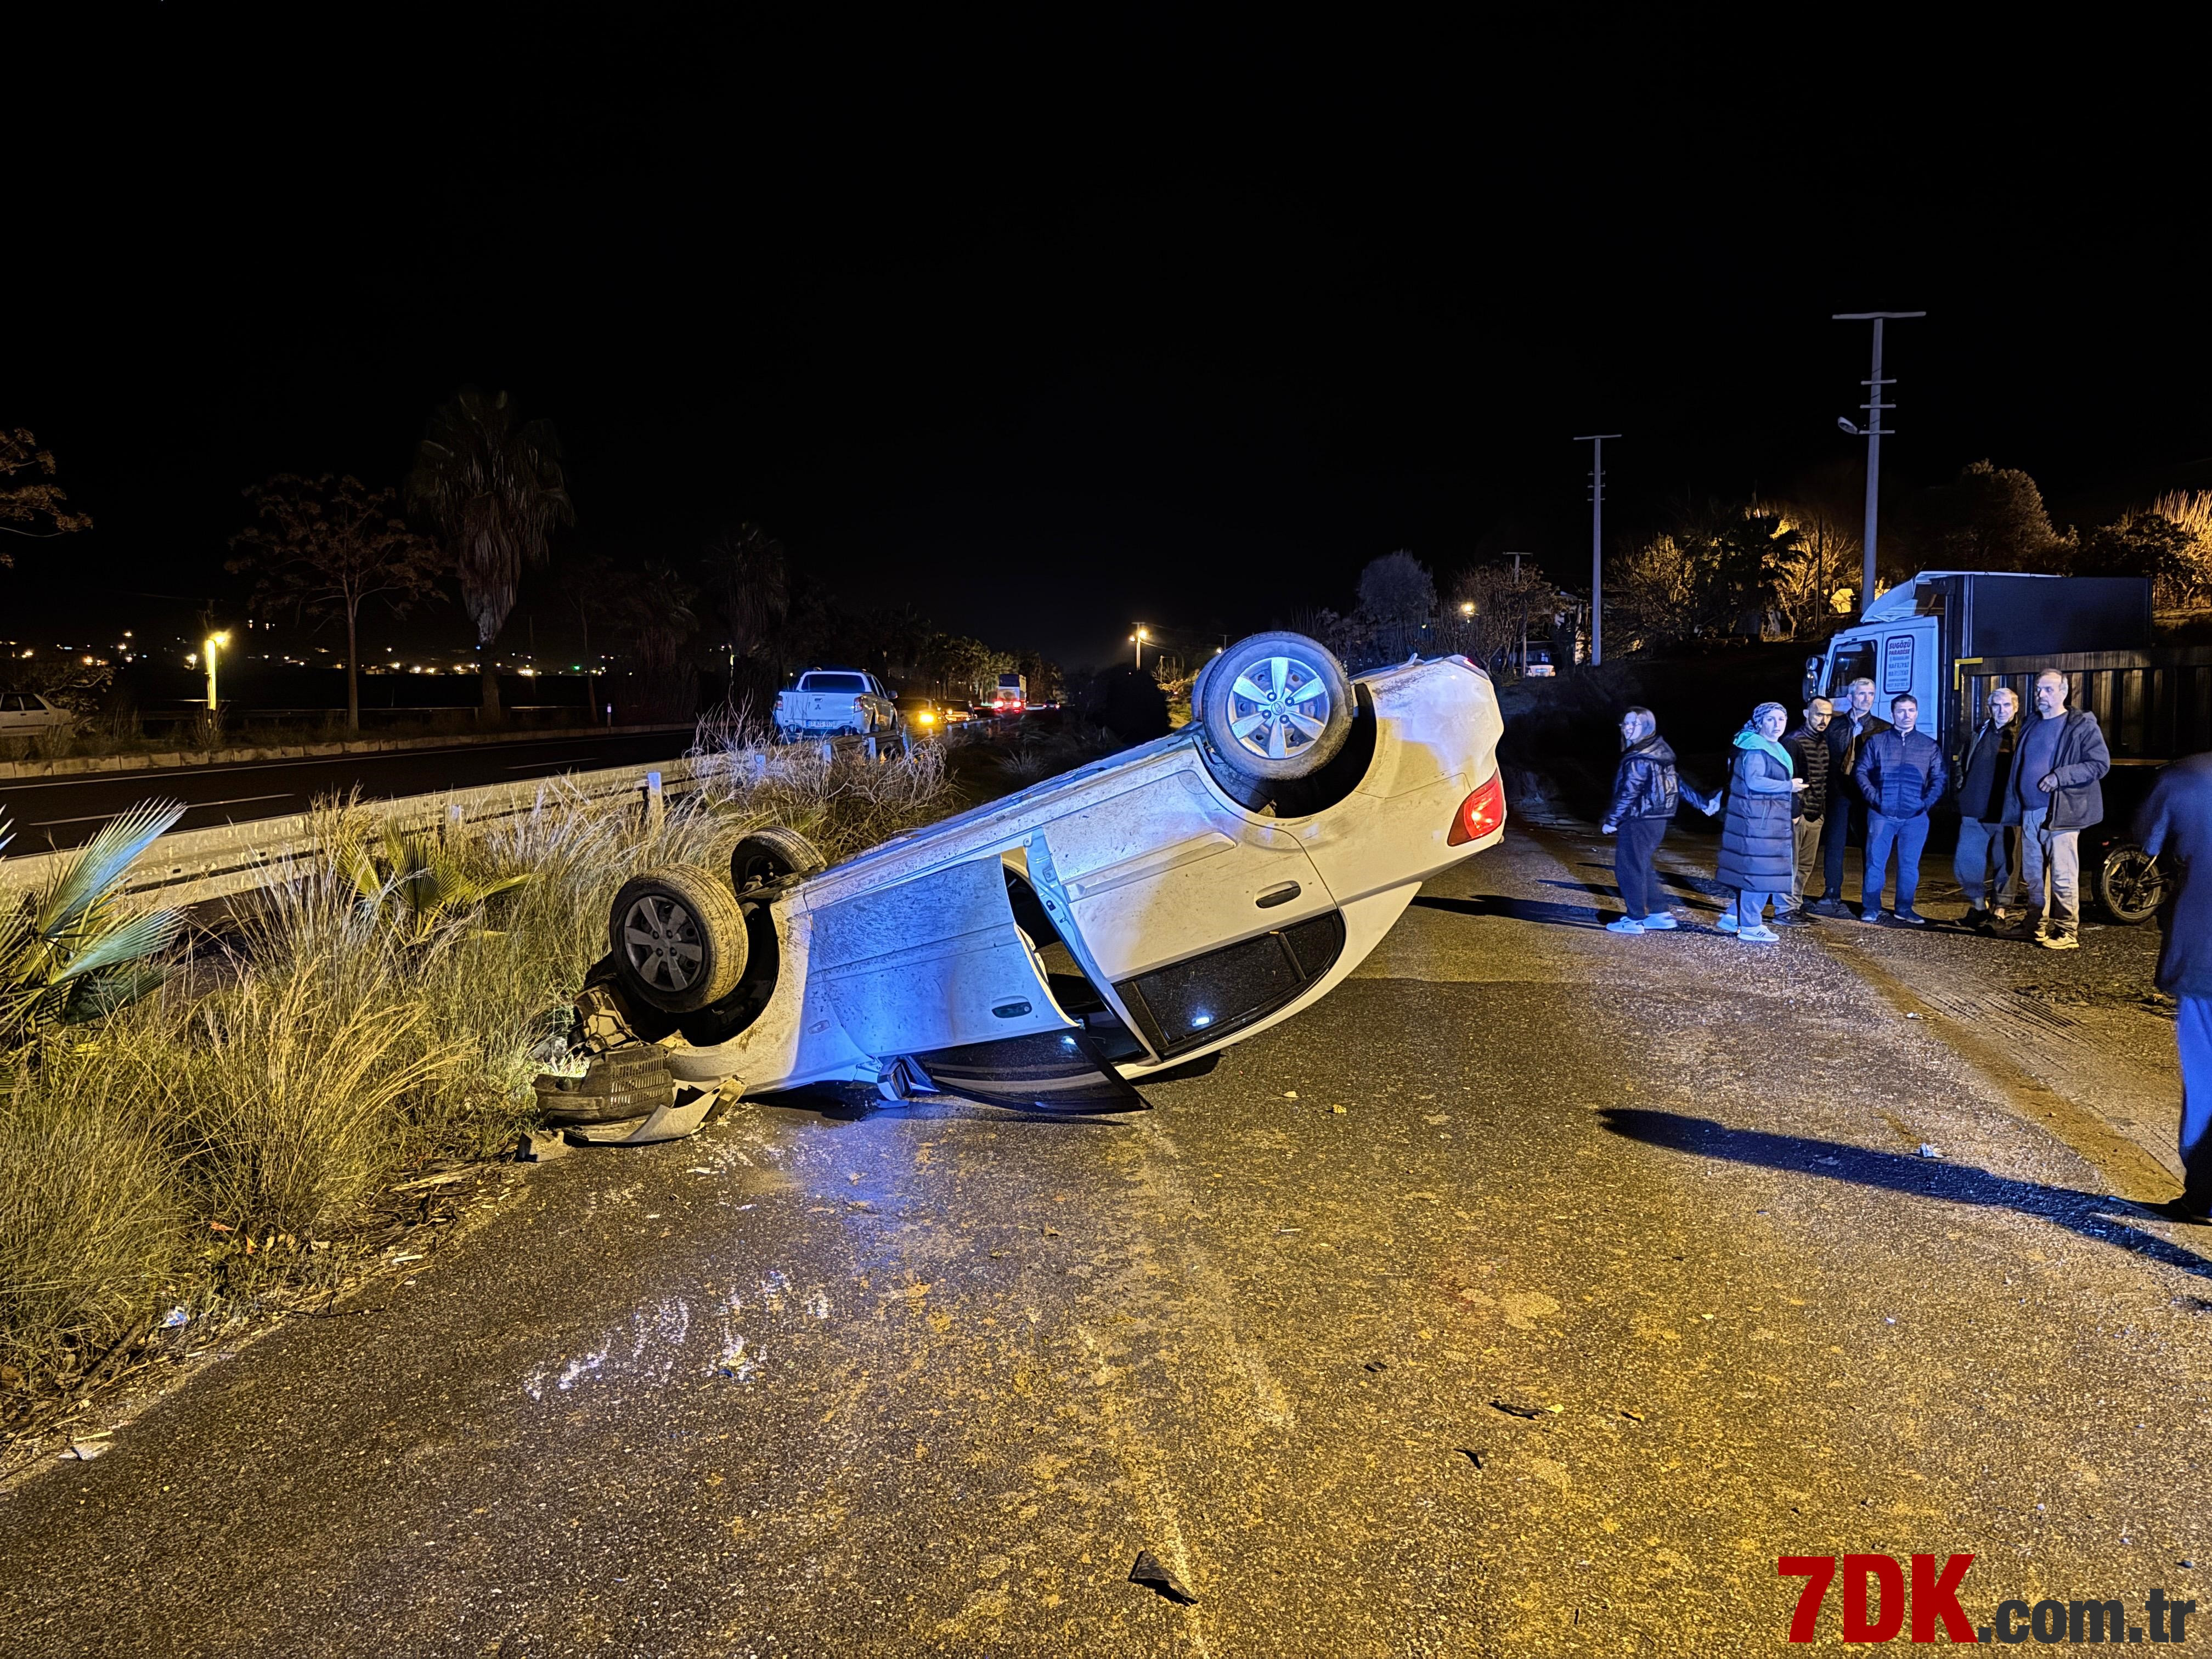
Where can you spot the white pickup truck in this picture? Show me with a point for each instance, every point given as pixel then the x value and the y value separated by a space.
pixel 834 702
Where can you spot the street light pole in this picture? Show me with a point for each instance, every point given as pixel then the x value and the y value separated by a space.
pixel 1140 636
pixel 213 642
pixel 1596 441
pixel 1873 433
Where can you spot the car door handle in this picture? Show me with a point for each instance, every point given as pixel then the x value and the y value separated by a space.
pixel 1275 896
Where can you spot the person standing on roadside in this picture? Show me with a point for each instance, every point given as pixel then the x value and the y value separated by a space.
pixel 2176 822
pixel 1901 774
pixel 1757 845
pixel 1854 722
pixel 1645 792
pixel 1985 869
pixel 2053 796
pixel 1809 747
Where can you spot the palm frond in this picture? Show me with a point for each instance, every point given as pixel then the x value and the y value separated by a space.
pixel 147 934
pixel 92 875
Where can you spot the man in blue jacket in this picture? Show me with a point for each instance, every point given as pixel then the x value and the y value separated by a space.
pixel 2053 796
pixel 2177 822
pixel 1901 773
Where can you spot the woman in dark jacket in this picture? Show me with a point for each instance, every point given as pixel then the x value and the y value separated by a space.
pixel 1758 849
pixel 1645 791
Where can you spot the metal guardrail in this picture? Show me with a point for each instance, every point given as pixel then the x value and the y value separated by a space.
pixel 192 866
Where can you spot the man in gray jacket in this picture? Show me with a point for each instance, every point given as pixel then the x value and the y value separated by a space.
pixel 2053 796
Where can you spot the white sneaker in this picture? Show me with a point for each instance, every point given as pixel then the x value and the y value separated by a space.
pixel 1761 934
pixel 1659 922
pixel 1623 925
pixel 1726 921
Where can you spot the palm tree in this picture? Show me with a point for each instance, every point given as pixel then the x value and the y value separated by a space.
pixel 495 488
pixel 74 950
pixel 750 586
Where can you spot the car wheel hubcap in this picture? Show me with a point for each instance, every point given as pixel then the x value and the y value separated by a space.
pixel 661 940
pixel 1277 707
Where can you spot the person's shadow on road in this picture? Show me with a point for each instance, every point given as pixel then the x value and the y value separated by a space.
pixel 1497 904
pixel 2089 1214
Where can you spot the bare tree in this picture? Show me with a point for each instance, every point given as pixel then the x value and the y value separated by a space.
pixel 322 547
pixel 1498 607
pixel 37 503
pixel 495 487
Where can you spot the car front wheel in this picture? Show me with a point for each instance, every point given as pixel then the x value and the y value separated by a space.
pixel 679 939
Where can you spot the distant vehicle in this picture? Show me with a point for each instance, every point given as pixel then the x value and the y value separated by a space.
pixel 957 712
pixel 1012 696
pixel 1951 637
pixel 1138 914
pixel 834 702
pixel 923 715
pixel 26 715
pixel 1539 665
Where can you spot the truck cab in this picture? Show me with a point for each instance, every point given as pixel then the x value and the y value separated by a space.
pixel 1930 635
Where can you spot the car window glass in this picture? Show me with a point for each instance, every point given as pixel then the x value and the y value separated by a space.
pixel 833 682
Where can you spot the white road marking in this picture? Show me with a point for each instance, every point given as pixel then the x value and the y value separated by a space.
pixel 194 806
pixel 565 760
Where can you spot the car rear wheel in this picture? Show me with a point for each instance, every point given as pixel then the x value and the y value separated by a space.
pixel 679 939
pixel 1276 706
pixel 2129 884
pixel 772 855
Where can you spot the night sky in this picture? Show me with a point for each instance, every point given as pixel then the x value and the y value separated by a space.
pixel 1050 334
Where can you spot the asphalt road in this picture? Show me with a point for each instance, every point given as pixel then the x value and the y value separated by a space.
pixel 1618 1274
pixel 64 811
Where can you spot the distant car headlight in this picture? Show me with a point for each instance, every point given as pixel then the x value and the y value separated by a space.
pixel 926 718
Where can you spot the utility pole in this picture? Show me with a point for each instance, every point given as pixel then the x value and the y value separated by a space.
pixel 1596 441
pixel 1523 599
pixel 1873 432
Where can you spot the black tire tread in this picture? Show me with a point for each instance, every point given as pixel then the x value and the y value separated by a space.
pixel 721 926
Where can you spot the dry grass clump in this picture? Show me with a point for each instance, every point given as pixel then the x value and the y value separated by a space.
pixel 842 800
pixel 387 1002
pixel 88 1222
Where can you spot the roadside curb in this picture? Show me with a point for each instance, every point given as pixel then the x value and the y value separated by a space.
pixel 171 760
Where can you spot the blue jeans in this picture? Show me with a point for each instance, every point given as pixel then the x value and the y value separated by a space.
pixel 1983 864
pixel 1909 836
pixel 1751 907
pixel 2192 1030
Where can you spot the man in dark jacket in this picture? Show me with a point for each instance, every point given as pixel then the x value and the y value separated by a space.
pixel 1809 747
pixel 2177 822
pixel 1645 791
pixel 1854 722
pixel 2053 796
pixel 1901 774
pixel 1983 870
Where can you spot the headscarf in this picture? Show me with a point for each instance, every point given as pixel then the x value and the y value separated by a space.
pixel 1751 737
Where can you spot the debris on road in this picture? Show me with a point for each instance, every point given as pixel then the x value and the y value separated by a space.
pixel 173 1318
pixel 1927 1150
pixel 1148 1572
pixel 86 1449
pixel 1471 1455
pixel 1513 1408
pixel 541 1146
pixel 1375 1365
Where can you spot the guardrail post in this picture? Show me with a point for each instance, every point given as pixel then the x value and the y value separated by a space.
pixel 828 751
pixel 656 804
pixel 456 817
pixel 868 745
pixel 757 763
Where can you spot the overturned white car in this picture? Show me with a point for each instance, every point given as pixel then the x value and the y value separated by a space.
pixel 1133 915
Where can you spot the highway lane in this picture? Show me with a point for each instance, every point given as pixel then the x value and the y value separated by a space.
pixel 57 812
pixel 1529 1296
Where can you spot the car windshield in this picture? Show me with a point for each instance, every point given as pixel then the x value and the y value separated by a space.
pixel 833 682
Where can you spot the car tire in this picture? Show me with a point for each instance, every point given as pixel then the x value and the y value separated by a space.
pixel 677 937
pixel 772 855
pixel 1276 706
pixel 2128 884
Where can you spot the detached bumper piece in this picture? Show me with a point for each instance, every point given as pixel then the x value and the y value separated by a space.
pixel 1060 1072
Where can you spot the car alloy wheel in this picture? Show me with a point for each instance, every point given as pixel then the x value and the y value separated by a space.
pixel 677 938
pixel 1276 706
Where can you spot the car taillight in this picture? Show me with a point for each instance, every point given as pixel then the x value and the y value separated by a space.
pixel 1480 813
